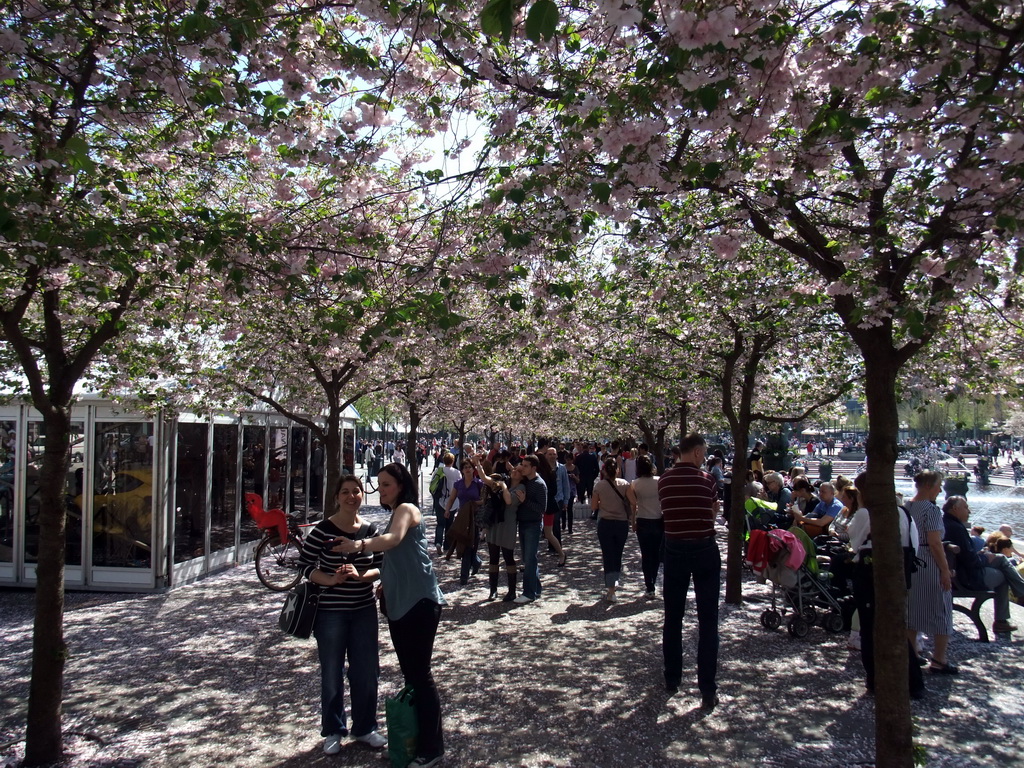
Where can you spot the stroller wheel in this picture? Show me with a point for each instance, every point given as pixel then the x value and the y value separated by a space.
pixel 771 619
pixel 808 614
pixel 833 622
pixel 797 627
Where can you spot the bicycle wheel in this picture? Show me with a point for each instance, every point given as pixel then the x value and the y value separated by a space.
pixel 277 564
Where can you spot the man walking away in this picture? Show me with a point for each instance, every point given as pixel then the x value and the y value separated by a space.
pixel 689 503
pixel 588 467
pixel 530 516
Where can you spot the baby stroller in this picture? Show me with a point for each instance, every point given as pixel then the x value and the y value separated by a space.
pixel 799 586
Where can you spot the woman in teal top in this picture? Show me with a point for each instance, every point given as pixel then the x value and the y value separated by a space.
pixel 412 602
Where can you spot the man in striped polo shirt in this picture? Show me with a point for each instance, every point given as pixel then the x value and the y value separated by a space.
pixel 689 503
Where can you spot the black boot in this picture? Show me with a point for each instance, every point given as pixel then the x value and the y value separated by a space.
pixel 513 577
pixel 492 581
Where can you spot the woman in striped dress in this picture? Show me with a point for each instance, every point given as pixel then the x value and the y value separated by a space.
pixel 931 596
pixel 346 621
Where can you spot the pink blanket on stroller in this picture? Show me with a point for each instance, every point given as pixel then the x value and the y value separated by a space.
pixel 776 547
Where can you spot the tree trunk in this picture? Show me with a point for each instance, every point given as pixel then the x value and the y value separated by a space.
pixel 410 452
pixel 893 730
pixel 43 739
pixel 737 521
pixel 684 427
pixel 659 445
pixel 655 441
pixel 333 449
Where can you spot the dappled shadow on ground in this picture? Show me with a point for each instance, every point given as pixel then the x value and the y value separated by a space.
pixel 201 676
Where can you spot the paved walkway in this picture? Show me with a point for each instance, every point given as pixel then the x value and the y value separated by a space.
pixel 201 676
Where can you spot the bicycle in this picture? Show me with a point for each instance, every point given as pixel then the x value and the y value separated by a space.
pixel 369 486
pixel 277 554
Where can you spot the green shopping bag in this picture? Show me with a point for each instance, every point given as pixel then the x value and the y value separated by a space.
pixel 400 713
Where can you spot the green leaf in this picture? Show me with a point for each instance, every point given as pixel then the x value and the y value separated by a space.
pixel 602 191
pixel 496 19
pixel 708 98
pixel 869 45
pixel 78 154
pixel 517 196
pixel 542 20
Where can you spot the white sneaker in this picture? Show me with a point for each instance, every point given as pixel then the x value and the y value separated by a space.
pixel 373 739
pixel 523 599
pixel 332 744
pixel 610 595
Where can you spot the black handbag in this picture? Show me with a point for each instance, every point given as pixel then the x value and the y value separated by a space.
pixel 298 615
pixel 299 612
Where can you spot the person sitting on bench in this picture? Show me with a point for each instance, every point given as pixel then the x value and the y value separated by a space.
pixel 981 571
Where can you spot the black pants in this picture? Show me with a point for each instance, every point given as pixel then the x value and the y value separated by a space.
pixel 413 637
pixel 864 596
pixel 586 488
pixel 650 535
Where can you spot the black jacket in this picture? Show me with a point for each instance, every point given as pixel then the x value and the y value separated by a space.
pixel 970 565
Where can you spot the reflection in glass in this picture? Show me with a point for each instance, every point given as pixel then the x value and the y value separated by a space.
pixel 122 531
pixel 190 492
pixel 253 473
pixel 73 489
pixel 277 468
pixel 224 503
pixel 297 478
pixel 7 444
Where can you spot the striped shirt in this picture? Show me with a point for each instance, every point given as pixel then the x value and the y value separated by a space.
pixel 350 595
pixel 688 495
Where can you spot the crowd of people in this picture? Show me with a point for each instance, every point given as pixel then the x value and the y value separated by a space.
pixel 833 515
pixel 508 500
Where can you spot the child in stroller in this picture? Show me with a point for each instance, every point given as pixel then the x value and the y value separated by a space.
pixel 790 560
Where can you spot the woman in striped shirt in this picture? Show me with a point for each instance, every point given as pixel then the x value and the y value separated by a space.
pixel 346 621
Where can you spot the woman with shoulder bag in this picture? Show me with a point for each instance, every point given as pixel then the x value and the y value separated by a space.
pixel 413 602
pixel 464 534
pixel 615 504
pixel 346 620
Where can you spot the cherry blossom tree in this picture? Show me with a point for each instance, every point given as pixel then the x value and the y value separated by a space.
pixel 147 151
pixel 877 142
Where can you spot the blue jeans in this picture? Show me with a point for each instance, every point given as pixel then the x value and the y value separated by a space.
pixel 529 540
pixel 612 535
pixel 700 560
pixel 1001 577
pixel 351 633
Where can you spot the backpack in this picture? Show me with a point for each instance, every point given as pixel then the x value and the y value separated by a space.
pixel 911 562
pixel 436 480
pixel 494 512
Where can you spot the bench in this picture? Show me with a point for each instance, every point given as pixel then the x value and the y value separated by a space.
pixel 977 597
pixel 974 612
